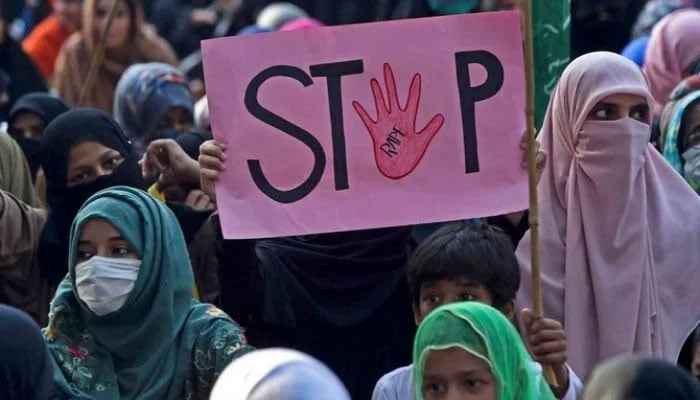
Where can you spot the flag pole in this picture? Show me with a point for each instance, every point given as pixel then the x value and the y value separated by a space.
pixel 98 56
pixel 526 8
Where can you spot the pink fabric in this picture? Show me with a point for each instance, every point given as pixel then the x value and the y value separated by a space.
pixel 301 23
pixel 620 229
pixel 673 46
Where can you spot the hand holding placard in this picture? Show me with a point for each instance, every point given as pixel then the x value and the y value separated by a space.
pixel 398 148
pixel 304 164
pixel 212 156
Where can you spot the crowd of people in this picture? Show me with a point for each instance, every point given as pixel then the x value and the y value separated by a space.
pixel 116 281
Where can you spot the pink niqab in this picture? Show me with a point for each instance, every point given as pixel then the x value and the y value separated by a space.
pixel 620 229
pixel 673 46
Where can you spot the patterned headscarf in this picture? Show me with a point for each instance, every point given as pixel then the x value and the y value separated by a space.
pixel 144 95
pixel 160 344
pixel 686 94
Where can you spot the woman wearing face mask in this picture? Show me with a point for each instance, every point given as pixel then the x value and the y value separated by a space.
pixel 84 151
pixel 123 324
pixel 153 101
pixel 128 42
pixel 680 130
pixel 28 119
pixel 612 212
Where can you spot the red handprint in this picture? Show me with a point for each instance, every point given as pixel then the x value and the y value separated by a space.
pixel 398 148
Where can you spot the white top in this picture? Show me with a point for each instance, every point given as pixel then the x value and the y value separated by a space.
pixel 398 385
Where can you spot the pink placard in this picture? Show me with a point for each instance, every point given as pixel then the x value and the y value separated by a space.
pixel 310 151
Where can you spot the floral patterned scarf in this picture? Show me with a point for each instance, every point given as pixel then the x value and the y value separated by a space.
pixel 161 344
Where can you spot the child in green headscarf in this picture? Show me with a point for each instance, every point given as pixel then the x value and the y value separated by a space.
pixel 476 262
pixel 471 351
pixel 123 324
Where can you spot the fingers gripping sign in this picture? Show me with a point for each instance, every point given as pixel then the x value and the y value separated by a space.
pixel 398 145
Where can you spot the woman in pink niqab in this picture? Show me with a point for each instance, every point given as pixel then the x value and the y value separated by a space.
pixel 620 229
pixel 673 47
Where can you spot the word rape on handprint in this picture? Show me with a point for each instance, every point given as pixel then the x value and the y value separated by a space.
pixel 368 126
pixel 398 148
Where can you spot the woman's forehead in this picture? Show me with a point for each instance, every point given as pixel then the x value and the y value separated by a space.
pixel 626 99
pixel 89 148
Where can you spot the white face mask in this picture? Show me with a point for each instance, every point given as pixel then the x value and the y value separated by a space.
pixel 692 163
pixel 105 283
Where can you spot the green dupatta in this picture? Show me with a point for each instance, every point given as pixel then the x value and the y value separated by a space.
pixel 487 334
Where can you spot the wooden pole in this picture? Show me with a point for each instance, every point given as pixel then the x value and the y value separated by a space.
pixel 526 8
pixel 98 56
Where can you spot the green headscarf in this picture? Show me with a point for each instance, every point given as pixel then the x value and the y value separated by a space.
pixel 486 333
pixel 161 344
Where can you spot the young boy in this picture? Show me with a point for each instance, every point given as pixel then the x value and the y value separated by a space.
pixel 475 262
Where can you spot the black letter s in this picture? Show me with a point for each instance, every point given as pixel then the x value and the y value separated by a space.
pixel 272 119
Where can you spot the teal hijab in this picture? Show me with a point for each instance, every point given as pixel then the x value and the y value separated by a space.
pixel 486 333
pixel 449 7
pixel 161 344
pixel 674 112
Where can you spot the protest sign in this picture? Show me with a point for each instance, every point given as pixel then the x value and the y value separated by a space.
pixel 371 125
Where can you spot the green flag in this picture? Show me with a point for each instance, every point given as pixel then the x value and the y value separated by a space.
pixel 551 23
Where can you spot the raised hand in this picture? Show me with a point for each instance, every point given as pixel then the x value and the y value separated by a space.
pixel 212 158
pixel 398 146
pixel 547 341
pixel 167 162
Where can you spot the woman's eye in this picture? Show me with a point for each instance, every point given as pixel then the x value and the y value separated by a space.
pixel 433 299
pixel 113 161
pixel 468 297
pixel 601 113
pixel 433 388
pixel 84 255
pixel 472 385
pixel 694 137
pixel 121 251
pixel 79 178
pixel 640 114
